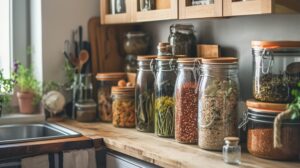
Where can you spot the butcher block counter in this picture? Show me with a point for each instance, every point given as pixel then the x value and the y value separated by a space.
pixel 163 151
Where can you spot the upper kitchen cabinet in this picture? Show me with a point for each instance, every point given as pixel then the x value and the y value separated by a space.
pixel 190 9
pixel 252 7
pixel 154 10
pixel 115 11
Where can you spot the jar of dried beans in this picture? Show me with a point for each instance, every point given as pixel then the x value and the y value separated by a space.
pixel 277 70
pixel 105 82
pixel 123 108
pixel 186 96
pixel 218 102
pixel 260 120
pixel 144 94
pixel 164 101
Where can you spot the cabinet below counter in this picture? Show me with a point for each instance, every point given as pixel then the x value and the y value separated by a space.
pixel 163 151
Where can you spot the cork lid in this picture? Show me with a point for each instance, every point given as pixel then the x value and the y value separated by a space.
pixel 162 58
pixel 275 44
pixel 146 57
pixel 232 139
pixel 221 60
pixel 188 60
pixel 111 76
pixel 117 90
pixel 265 106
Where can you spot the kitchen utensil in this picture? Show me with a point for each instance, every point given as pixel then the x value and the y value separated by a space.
pixel 80 38
pixel 83 58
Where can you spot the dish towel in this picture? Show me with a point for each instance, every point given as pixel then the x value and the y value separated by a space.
pixel 80 159
pixel 40 161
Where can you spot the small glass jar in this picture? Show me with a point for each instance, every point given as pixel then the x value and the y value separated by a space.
pixel 260 135
pixel 117 6
pixel 276 70
pixel 186 96
pixel 146 5
pixel 164 49
pixel 130 63
pixel 86 111
pixel 183 40
pixel 123 107
pixel 144 94
pixel 164 101
pixel 105 82
pixel 202 2
pixel 232 150
pixel 218 102
pixel 137 43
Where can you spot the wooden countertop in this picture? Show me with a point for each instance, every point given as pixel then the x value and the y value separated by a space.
pixel 164 152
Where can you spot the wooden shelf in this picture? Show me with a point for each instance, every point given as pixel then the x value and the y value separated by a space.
pixel 107 18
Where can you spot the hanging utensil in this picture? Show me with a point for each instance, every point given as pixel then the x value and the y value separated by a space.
pixel 83 58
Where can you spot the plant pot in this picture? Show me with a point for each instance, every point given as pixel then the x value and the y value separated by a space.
pixel 25 100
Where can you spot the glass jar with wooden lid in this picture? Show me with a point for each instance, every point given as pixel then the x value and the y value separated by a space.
pixel 105 82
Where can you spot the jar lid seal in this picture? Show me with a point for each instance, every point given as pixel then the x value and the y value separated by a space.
pixel 116 90
pixel 111 76
pixel 266 106
pixel 275 44
pixel 188 60
pixel 146 57
pixel 221 60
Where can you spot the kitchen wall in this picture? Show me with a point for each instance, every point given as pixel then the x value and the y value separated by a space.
pixel 235 35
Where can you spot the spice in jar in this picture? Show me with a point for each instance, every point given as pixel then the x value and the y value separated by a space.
pixel 164 116
pixel 86 111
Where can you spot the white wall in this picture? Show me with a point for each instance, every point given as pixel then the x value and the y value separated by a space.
pixel 59 17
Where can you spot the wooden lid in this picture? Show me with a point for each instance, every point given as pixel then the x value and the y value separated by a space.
pixel 146 57
pixel 188 60
pixel 116 90
pixel 275 44
pixel 232 139
pixel 170 57
pixel 111 76
pixel 265 106
pixel 221 60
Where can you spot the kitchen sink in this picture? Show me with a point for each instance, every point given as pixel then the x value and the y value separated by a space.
pixel 17 133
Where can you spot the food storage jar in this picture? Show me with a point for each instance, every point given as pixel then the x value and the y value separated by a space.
pixel 136 43
pixel 146 5
pixel 105 82
pixel 130 63
pixel 218 102
pixel 186 96
pixel 232 150
pixel 164 101
pixel 144 94
pixel 123 107
pixel 86 111
pixel 117 6
pixel 182 40
pixel 259 120
pixel 164 49
pixel 276 70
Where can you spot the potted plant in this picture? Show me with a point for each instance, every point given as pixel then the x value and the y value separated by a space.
pixel 28 93
pixel 6 87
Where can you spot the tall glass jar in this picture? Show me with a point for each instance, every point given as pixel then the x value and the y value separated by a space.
pixel 144 94
pixel 186 96
pixel 183 40
pixel 137 43
pixel 123 108
pixel 105 82
pixel 276 70
pixel 218 102
pixel 164 101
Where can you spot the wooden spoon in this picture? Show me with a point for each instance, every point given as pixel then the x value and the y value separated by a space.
pixel 83 58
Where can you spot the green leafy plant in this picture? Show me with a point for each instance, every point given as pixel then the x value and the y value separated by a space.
pixel 294 107
pixel 6 88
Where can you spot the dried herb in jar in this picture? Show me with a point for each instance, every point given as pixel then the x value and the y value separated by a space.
pixel 145 111
pixel 164 116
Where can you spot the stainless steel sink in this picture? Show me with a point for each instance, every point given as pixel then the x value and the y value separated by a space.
pixel 17 133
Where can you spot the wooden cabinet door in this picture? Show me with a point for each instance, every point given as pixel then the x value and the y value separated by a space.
pixel 188 11
pixel 250 7
pixel 108 18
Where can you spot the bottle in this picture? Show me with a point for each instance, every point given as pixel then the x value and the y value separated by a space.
pixel 232 150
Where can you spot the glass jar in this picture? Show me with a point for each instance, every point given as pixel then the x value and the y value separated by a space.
pixel 146 5
pixel 260 123
pixel 276 70
pixel 164 101
pixel 137 43
pixel 183 40
pixel 144 94
pixel 105 82
pixel 123 107
pixel 130 63
pixel 218 102
pixel 164 49
pixel 186 96
pixel 232 150
pixel 86 111
pixel 202 2
pixel 117 6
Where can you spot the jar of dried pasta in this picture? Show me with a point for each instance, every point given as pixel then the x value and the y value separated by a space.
pixel 105 82
pixel 123 107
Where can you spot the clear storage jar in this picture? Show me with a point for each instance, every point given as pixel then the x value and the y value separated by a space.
pixel 105 82
pixel 218 102
pixel 186 96
pixel 86 111
pixel 183 40
pixel 164 101
pixel 146 5
pixel 144 94
pixel 123 107
pixel 232 150
pixel 276 70
pixel 260 123
pixel 136 43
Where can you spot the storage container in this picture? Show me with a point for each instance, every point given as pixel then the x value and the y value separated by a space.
pixel 218 102
pixel 276 70
pixel 86 111
pixel 260 123
pixel 186 96
pixel 232 150
pixel 136 43
pixel 144 94
pixel 105 82
pixel 146 5
pixel 123 107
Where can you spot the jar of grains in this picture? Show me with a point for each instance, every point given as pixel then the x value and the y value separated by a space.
pixel 164 101
pixel 105 82
pixel 260 120
pixel 186 96
pixel 123 108
pixel 144 94
pixel 276 70
pixel 218 102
